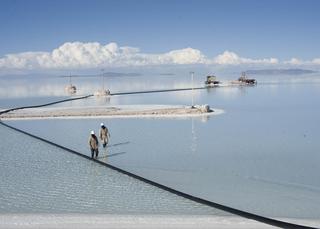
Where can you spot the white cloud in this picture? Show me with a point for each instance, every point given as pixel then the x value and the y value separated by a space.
pixel 231 58
pixel 294 61
pixel 93 54
pixel 316 61
pixel 185 56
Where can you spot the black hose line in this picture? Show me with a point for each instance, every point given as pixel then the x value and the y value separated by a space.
pixel 46 104
pixel 157 91
pixel 234 211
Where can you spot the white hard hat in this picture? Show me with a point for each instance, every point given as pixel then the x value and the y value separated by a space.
pixel 102 124
pixel 92 132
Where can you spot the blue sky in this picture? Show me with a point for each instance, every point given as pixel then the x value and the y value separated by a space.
pixel 255 29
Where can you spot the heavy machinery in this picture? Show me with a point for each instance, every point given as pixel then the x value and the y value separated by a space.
pixel 212 81
pixel 71 89
pixel 243 79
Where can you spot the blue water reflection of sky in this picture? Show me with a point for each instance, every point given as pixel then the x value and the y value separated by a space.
pixel 261 155
pixel 37 178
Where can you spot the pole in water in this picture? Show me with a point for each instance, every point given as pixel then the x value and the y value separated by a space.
pixel 192 102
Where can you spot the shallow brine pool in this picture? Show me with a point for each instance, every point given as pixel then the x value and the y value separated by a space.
pixel 261 155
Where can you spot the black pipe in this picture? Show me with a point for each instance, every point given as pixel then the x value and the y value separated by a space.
pixel 157 91
pixel 43 105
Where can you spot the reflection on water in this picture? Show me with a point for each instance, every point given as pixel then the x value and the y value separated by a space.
pixel 29 86
pixel 24 91
pixel 103 100
pixel 261 155
pixel 193 137
pixel 29 90
pixel 39 178
pixel 55 86
pixel 106 153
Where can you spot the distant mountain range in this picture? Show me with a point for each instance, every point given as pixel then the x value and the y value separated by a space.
pixel 293 71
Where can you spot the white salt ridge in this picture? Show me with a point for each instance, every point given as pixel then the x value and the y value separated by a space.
pixel 119 111
pixel 48 221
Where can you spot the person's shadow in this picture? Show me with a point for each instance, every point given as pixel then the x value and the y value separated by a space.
pixel 103 158
pixel 111 155
pixel 118 144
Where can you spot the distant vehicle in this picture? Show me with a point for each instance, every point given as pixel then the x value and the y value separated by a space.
pixel 243 79
pixel 212 81
pixel 71 89
pixel 102 92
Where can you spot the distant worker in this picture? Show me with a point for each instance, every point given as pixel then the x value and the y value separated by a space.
pixel 104 135
pixel 94 144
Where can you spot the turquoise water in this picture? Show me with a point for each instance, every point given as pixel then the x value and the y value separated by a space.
pixel 261 155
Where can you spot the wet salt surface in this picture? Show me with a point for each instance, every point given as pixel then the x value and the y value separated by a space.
pixel 171 154
pixel 260 156
pixel 39 178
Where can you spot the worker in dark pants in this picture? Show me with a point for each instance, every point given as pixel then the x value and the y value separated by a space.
pixel 104 135
pixel 94 144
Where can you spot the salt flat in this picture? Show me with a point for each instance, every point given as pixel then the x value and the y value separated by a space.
pixel 51 221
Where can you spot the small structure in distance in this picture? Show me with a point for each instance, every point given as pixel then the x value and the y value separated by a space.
pixel 243 80
pixel 102 91
pixel 212 81
pixel 71 89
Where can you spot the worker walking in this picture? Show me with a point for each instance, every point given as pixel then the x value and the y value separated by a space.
pixel 104 135
pixel 94 144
